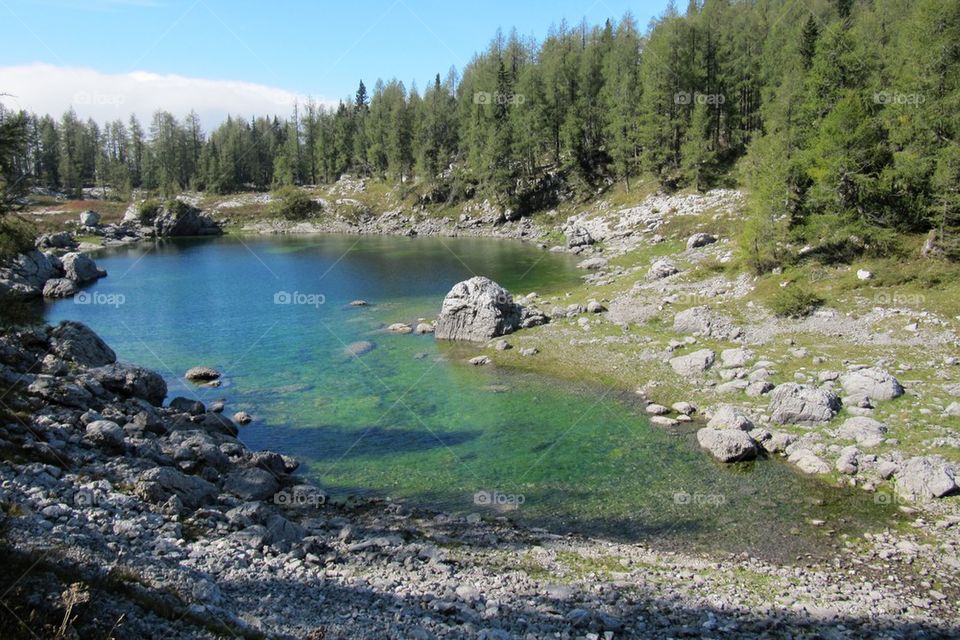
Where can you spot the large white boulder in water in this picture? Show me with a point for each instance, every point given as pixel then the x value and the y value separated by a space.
pixel 479 309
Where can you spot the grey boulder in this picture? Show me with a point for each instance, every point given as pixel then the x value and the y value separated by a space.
pixel 133 381
pixel 866 431
pixel 479 309
pixel 727 445
pixel 60 288
pixel 730 417
pixel 694 363
pixel 662 268
pixel 105 433
pixel 81 268
pixel 700 240
pixel 872 382
pixel 77 342
pixel 926 477
pixel 251 484
pixel 802 404
pixel 160 484
pixel 24 276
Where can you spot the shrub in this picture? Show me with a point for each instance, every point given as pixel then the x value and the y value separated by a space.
pixel 16 236
pixel 148 210
pixel 794 301
pixel 292 203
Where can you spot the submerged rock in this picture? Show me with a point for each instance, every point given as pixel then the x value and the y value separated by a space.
pixel 202 374
pixel 479 309
pixel 359 348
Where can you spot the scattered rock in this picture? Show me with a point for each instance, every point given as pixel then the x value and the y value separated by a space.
pixel 801 404
pixel 251 484
pixel 866 431
pixel 479 361
pixel 400 327
pixel 578 236
pixel 593 264
pixel 60 288
pixel 808 462
pixel 729 417
pixel 242 417
pixel 78 343
pixel 704 322
pixel 186 405
pixel 131 380
pixel 926 477
pixel 81 268
pixel 662 268
pixel 734 358
pixel 694 363
pixel 105 433
pixel 727 445
pixel 684 408
pixel 89 219
pixel 423 328
pixel 700 240
pixel 871 382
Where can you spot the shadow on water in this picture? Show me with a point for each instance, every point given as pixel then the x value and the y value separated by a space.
pixel 335 443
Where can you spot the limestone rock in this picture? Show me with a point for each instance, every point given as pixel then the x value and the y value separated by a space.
pixel 802 404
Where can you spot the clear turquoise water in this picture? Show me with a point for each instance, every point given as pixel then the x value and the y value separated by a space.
pixel 410 419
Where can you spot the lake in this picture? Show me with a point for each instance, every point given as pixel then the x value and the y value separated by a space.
pixel 410 419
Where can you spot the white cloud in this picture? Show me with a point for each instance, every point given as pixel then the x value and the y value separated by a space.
pixel 44 88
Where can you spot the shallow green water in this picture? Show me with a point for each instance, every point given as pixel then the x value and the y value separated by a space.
pixel 410 419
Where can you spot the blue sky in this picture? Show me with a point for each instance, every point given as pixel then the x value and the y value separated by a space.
pixel 318 48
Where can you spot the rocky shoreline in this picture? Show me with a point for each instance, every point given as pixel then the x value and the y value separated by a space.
pixel 157 522
pixel 174 528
